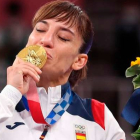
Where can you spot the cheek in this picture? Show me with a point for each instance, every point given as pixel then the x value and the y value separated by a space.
pixel 67 58
pixel 31 40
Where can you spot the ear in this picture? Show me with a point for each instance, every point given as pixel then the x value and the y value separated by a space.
pixel 80 61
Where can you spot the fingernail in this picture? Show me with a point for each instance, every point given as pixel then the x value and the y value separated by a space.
pixel 39 70
pixel 38 77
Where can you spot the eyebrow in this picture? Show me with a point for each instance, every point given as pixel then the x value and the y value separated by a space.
pixel 62 28
pixel 43 21
pixel 66 29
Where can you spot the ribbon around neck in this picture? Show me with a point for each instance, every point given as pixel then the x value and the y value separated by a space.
pixel 35 108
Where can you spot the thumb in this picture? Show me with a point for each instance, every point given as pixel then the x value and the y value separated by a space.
pixel 17 61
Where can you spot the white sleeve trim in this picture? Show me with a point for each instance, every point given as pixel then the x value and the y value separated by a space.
pixel 12 93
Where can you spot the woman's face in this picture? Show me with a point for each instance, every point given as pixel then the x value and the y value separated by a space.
pixel 61 43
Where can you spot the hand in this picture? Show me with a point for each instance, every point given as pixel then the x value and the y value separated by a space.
pixel 20 73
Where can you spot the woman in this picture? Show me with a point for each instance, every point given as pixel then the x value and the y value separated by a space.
pixel 66 33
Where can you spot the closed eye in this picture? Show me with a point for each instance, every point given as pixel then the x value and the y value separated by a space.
pixel 64 39
pixel 38 30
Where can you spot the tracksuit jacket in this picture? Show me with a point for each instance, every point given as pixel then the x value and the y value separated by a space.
pixel 85 119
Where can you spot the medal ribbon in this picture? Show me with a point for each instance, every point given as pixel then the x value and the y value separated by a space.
pixel 57 111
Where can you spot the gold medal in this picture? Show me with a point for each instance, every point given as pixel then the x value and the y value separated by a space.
pixel 34 54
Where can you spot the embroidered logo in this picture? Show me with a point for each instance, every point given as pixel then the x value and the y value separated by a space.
pixel 80 132
pixel 16 124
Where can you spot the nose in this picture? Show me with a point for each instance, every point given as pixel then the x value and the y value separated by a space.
pixel 47 40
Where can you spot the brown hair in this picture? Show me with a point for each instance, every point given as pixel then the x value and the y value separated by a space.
pixel 71 14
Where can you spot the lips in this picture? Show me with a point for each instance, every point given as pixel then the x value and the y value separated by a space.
pixel 48 55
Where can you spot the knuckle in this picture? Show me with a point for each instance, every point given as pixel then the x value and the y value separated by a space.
pixel 15 68
pixel 9 69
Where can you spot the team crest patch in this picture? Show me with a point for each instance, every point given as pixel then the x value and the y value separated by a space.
pixel 80 131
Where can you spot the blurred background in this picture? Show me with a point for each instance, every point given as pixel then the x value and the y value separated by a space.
pixel 116 44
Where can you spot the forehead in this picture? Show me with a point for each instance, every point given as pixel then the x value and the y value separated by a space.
pixel 68 22
pixel 65 18
pixel 64 25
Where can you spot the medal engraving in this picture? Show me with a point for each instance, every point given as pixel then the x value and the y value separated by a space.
pixel 34 54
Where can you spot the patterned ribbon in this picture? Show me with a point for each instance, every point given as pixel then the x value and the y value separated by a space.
pixel 35 108
pixel 44 133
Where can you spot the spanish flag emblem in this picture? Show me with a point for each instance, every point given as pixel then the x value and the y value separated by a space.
pixel 80 136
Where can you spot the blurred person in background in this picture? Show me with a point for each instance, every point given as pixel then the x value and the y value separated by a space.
pixel 14 34
pixel 66 33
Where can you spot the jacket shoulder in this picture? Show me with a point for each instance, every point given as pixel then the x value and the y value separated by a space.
pixel 89 109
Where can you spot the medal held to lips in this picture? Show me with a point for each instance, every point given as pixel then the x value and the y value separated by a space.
pixel 34 54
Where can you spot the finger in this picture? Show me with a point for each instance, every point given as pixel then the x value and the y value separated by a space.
pixel 16 61
pixel 20 72
pixel 20 61
pixel 25 71
pixel 30 73
pixel 33 67
pixel 20 68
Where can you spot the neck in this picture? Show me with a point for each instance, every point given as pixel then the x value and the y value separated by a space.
pixel 50 82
